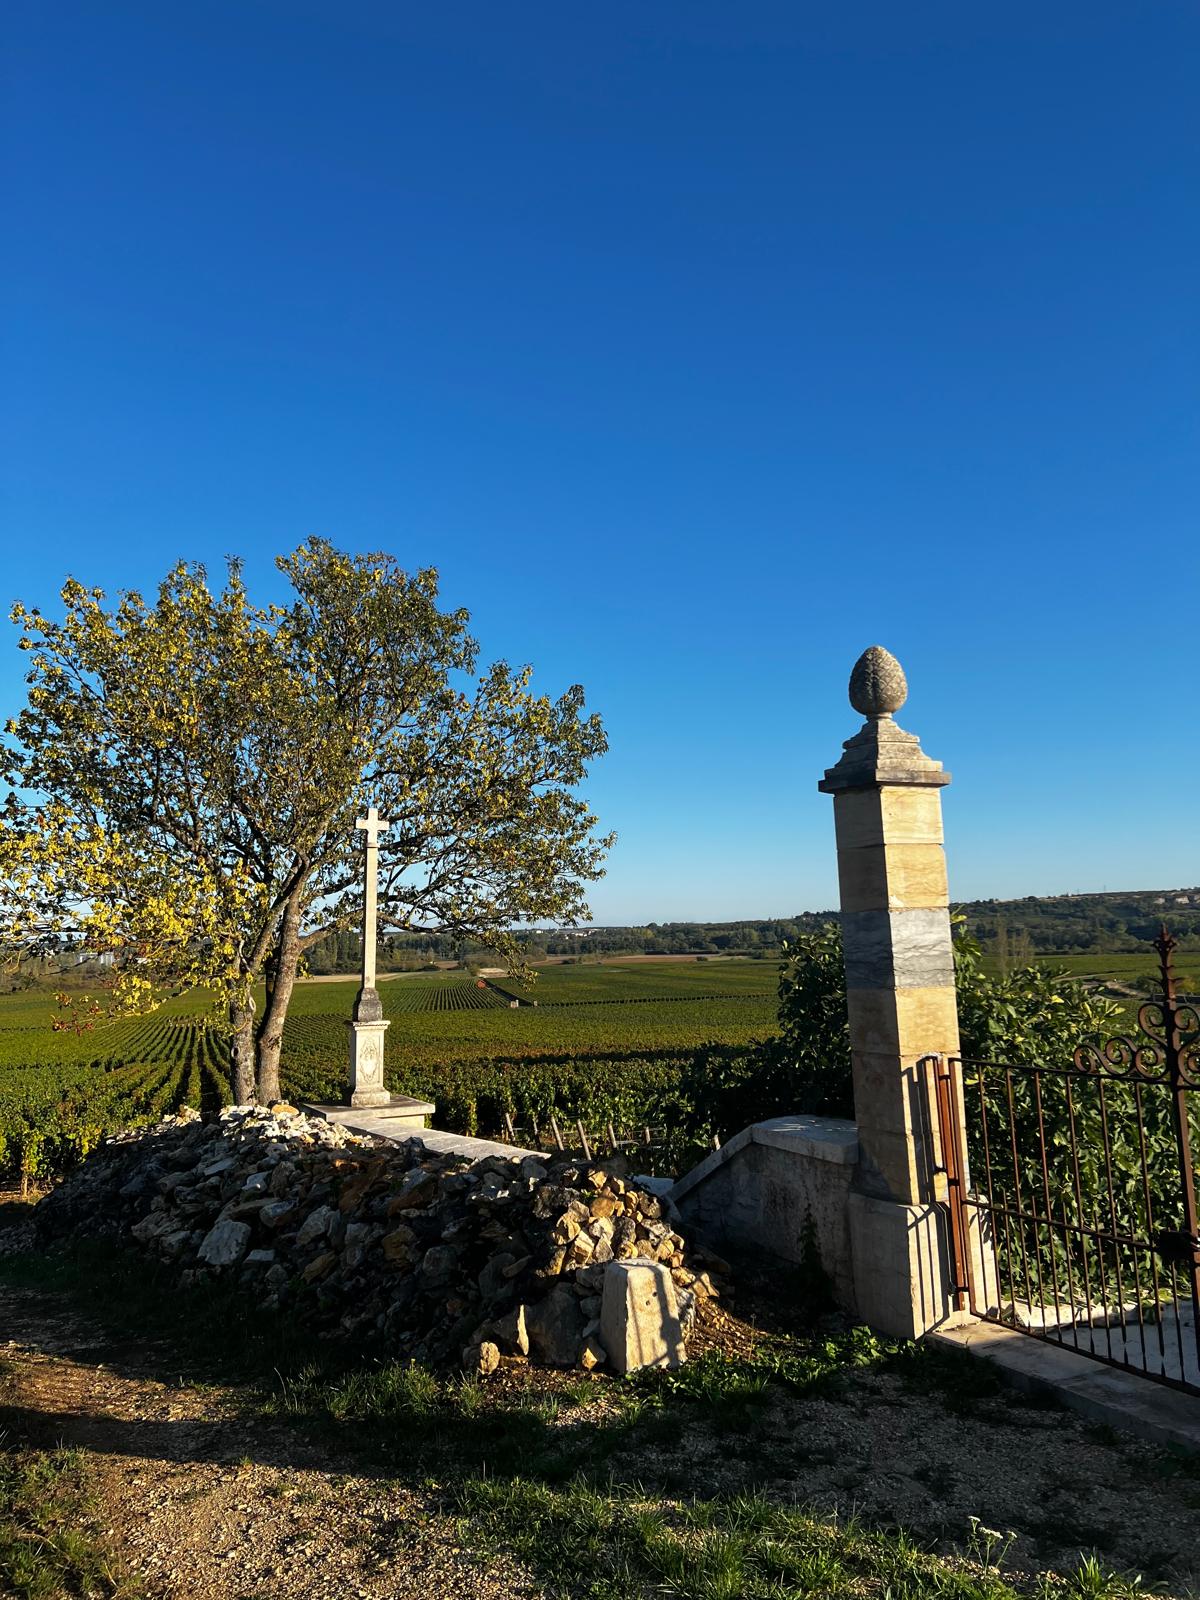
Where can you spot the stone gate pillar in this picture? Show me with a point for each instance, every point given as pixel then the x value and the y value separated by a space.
pixel 900 999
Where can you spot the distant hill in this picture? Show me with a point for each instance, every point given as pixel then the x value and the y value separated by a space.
pixel 1066 923
pixel 1015 930
pixel 1038 924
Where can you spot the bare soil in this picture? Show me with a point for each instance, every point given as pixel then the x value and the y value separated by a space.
pixel 204 1499
pixel 201 1502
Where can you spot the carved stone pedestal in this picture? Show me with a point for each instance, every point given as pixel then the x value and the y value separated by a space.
pixel 366 1063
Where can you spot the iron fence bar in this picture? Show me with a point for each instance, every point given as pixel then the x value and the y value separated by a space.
pixel 1087 1286
pixel 1037 1092
pixel 987 1161
pixel 1144 1153
pixel 1112 1212
pixel 1179 1107
pixel 1070 1275
pixel 1016 1167
pixel 1105 1314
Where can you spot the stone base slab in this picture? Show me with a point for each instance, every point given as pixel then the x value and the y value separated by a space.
pixel 400 1111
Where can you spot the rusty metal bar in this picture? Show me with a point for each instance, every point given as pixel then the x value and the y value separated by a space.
pixel 949 1139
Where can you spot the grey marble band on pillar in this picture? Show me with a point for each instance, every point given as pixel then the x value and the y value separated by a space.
pixel 898 949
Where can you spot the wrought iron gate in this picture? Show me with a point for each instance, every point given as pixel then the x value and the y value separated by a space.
pixel 1070 1190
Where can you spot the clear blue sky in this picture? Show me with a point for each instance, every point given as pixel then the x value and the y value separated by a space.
pixel 699 345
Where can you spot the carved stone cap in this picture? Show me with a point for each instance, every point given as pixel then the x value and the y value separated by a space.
pixel 880 752
pixel 877 685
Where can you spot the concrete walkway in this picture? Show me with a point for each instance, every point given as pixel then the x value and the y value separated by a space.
pixel 1129 1400
pixel 1166 1348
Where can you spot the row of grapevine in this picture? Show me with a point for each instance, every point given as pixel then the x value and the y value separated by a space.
pixel 466 995
pixel 52 1113
pixel 692 1094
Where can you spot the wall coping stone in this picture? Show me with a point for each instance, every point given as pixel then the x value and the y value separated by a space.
pixel 832 1139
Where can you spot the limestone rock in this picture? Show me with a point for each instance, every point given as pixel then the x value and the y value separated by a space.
pixel 565 1229
pixel 276 1213
pixel 439 1261
pixel 416 1190
pixel 512 1332
pixel 639 1317
pixel 319 1267
pixel 225 1244
pixel 555 1327
pixel 315 1226
pixel 592 1355
pixel 152 1227
pixel 483 1358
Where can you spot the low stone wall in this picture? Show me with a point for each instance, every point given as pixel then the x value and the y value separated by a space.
pixel 436 1257
pixel 779 1187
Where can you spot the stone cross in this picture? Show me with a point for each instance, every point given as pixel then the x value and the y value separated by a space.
pixel 368 1025
pixel 372 827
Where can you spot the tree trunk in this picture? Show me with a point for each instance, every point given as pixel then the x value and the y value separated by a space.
pixel 241 1051
pixel 284 963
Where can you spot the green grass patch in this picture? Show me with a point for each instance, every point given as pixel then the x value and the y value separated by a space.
pixel 49 1546
pixel 600 1542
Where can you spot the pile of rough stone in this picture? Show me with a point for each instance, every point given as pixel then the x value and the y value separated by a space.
pixel 432 1256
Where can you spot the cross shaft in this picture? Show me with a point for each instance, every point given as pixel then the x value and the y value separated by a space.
pixel 372 826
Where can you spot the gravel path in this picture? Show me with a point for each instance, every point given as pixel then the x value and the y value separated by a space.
pixel 202 1504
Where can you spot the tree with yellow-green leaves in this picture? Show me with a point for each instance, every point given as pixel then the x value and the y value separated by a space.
pixel 186 774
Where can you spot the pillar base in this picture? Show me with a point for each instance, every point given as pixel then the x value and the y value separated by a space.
pixel 366 1064
pixel 901 1264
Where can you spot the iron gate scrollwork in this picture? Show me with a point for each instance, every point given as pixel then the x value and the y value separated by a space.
pixel 1071 1194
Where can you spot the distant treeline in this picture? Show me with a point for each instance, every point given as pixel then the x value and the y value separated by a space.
pixel 1088 923
pixel 1013 930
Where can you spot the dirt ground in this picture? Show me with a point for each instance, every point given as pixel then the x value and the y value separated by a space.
pixel 201 1503
pixel 205 1501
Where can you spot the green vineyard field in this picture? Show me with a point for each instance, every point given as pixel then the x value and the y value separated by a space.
pixel 602 1042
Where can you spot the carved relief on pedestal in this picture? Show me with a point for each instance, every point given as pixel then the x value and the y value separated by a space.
pixel 368 1060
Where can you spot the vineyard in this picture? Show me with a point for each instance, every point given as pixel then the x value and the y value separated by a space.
pixel 52 1112
pixel 445 996
pixel 615 1043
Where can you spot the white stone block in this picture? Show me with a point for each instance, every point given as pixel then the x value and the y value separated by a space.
pixel 639 1317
